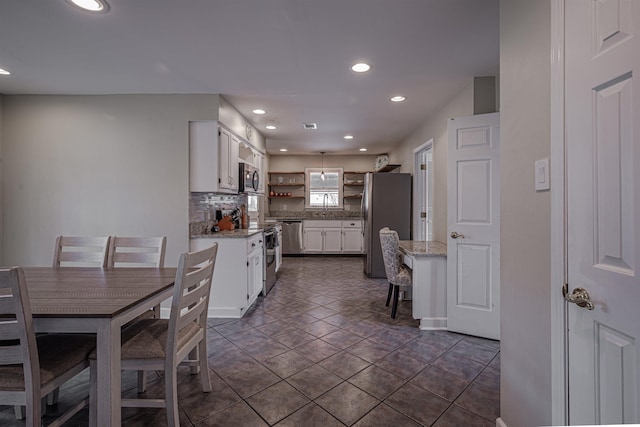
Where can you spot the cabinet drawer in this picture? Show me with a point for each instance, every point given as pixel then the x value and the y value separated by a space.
pixel 356 223
pixel 322 223
pixel 254 242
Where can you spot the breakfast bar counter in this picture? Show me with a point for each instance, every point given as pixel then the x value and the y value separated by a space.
pixel 428 262
pixel 418 249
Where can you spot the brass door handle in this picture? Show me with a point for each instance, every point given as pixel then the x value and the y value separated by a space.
pixel 455 235
pixel 580 297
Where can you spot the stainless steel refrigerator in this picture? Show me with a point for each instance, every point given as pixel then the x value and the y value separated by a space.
pixel 386 202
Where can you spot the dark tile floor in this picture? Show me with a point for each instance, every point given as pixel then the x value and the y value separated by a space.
pixel 322 350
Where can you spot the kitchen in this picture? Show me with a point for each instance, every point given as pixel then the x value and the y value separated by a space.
pixel 71 162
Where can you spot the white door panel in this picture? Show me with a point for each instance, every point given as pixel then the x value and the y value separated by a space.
pixel 473 258
pixel 602 127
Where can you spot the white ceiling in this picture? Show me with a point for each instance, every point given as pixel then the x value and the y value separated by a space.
pixel 290 57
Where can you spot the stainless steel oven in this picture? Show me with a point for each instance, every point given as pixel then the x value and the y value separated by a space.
pixel 270 245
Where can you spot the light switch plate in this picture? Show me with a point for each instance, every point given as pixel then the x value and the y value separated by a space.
pixel 541 175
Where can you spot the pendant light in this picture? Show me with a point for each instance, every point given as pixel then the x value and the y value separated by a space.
pixel 322 177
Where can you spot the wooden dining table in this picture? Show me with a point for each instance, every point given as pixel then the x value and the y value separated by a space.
pixel 97 301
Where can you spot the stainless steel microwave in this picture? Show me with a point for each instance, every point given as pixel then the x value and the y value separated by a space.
pixel 249 179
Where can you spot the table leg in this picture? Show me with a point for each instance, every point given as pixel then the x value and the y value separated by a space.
pixel 108 373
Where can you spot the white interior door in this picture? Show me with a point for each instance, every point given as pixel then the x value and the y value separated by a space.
pixel 473 211
pixel 602 128
pixel 423 192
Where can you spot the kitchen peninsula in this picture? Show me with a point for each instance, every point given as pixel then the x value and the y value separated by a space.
pixel 428 261
pixel 239 272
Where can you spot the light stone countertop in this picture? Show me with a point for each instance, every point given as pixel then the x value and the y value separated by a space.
pixel 238 233
pixel 421 249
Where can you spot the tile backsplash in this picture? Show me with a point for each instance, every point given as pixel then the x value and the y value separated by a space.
pixel 203 206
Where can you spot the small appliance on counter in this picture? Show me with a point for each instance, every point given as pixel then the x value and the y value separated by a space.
pixel 226 223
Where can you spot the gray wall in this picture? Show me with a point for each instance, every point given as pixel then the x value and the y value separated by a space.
pixel 435 126
pixel 96 165
pixel 525 214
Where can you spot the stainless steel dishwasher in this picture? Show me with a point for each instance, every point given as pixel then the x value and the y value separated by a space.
pixel 291 237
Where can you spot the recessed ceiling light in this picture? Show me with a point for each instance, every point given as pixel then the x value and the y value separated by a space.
pixel 363 149
pixel 4 72
pixel 348 137
pixel 360 67
pixel 398 98
pixel 283 149
pixel 259 111
pixel 99 6
pixel 271 127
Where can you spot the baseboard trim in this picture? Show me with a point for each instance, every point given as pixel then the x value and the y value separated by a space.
pixel 500 423
pixel 433 323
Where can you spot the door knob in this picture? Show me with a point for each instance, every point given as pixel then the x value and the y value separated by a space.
pixel 580 297
pixel 455 235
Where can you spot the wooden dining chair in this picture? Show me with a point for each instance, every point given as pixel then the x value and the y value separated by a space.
pixel 81 251
pixel 136 251
pixel 163 344
pixel 398 274
pixel 32 367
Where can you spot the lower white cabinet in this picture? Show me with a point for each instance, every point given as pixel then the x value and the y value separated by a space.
pixel 352 238
pixel 322 236
pixel 255 267
pixel 332 236
pixel 313 239
pixel 237 275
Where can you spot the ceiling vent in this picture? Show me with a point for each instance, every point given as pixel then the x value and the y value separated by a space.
pixel 310 126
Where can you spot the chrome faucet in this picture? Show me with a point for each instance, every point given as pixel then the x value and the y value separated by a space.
pixel 325 200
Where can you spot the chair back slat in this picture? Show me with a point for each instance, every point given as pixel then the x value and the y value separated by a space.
pixel 137 251
pixel 11 355
pixel 9 329
pixel 17 336
pixel 80 251
pixel 193 313
pixel 7 305
pixel 191 294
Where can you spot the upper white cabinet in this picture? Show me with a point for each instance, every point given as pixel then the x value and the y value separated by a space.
pixel 213 158
pixel 229 145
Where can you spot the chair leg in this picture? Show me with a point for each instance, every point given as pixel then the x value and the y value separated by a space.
pixel 396 291
pixel 52 398
pixel 142 381
pixel 195 355
pixel 389 294
pixel 20 411
pixel 204 368
pixel 171 396
pixel 93 394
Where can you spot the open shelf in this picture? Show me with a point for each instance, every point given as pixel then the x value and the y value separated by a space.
pixel 388 168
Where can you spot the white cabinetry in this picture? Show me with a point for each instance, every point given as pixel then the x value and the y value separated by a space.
pixel 322 236
pixel 255 259
pixel 238 273
pixel 259 163
pixel 352 237
pixel 313 238
pixel 213 158
pixel 229 145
